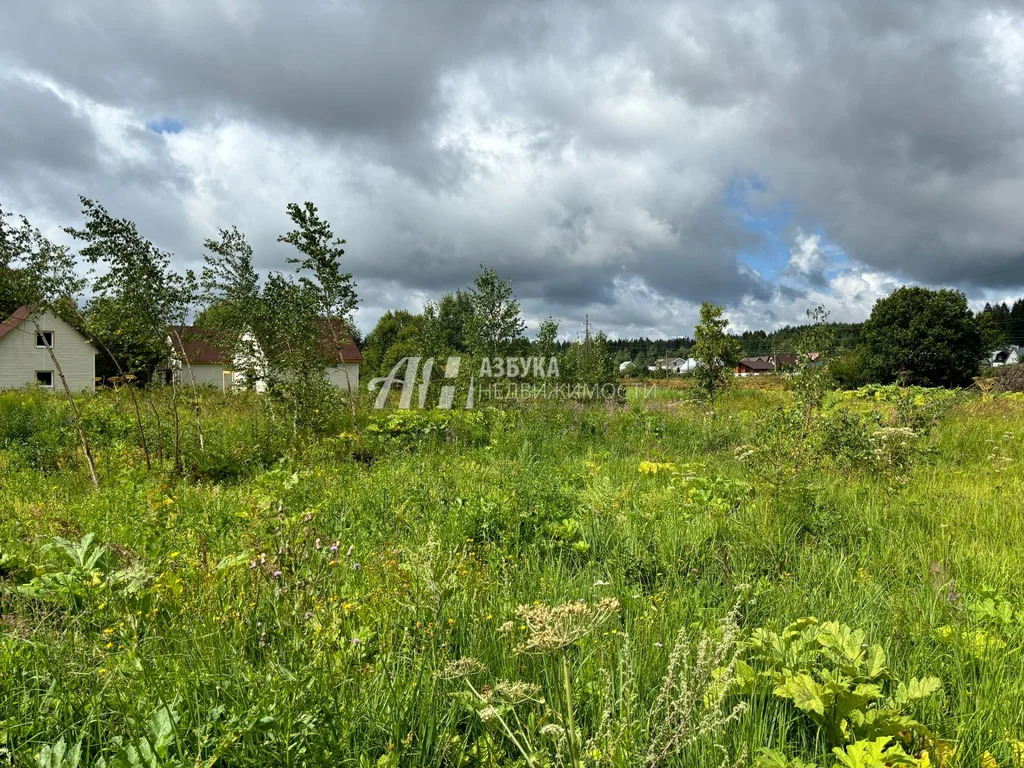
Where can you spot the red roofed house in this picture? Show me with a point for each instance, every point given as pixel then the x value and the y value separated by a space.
pixel 25 360
pixel 201 357
pixel 207 358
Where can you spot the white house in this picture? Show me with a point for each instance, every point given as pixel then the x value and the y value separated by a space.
pixel 675 364
pixel 25 359
pixel 624 366
pixel 209 360
pixel 1007 356
pixel 200 357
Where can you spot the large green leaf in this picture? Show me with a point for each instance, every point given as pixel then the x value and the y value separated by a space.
pixel 805 693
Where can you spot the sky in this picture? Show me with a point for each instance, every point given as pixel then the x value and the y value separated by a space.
pixel 622 160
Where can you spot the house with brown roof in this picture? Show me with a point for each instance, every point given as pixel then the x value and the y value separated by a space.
pixel 210 359
pixel 774 363
pixel 753 365
pixel 26 361
pixel 200 357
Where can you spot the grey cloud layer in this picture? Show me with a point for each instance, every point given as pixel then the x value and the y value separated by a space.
pixel 583 149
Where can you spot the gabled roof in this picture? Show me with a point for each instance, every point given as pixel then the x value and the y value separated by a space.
pixel 347 350
pixel 201 345
pixel 757 363
pixel 198 345
pixel 21 314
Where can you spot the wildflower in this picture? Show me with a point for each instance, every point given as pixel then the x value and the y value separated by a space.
pixel 276 574
pixel 551 628
pixel 487 713
pixel 316 544
pixel 333 547
pixel 356 566
pixel 516 692
pixel 553 731
pixel 459 668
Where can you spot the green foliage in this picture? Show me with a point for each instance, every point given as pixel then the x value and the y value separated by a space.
pixel 319 266
pixel 447 324
pixel 136 296
pixel 397 334
pixel 588 362
pixel 925 337
pixel 851 369
pixel 828 672
pixel 496 323
pixel 714 351
pixel 545 345
pixel 310 599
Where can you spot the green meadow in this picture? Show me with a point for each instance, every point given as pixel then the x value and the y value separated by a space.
pixel 636 583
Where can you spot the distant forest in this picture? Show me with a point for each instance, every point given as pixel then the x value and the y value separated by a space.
pixel 1009 319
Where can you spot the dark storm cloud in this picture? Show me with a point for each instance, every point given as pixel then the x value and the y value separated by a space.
pixel 584 149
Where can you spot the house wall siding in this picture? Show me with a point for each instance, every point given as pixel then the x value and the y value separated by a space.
pixel 206 374
pixel 20 358
pixel 343 376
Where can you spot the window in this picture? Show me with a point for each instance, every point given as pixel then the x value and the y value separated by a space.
pixel 44 339
pixel 44 379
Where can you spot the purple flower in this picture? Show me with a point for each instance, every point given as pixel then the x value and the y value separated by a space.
pixel 276 574
pixel 334 547
pixel 355 641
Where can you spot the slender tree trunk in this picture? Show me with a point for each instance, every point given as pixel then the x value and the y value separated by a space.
pixel 135 402
pixel 348 381
pixel 195 391
pixel 177 428
pixel 159 431
pixel 74 409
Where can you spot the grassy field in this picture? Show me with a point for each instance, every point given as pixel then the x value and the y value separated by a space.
pixel 547 585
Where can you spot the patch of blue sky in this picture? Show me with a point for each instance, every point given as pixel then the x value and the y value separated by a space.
pixel 767 218
pixel 166 125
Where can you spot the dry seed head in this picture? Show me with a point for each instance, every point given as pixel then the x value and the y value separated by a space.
pixel 516 692
pixel 551 628
pixel 459 668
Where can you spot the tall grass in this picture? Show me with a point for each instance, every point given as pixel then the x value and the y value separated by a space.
pixel 296 600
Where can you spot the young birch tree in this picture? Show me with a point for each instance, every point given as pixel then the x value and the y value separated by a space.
pixel 142 295
pixel 330 290
pixel 715 353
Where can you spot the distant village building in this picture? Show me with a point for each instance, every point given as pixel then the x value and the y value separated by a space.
pixel 675 364
pixel 774 363
pixel 1010 355
pixel 25 360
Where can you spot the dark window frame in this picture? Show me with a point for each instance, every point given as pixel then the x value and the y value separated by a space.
pixel 40 382
pixel 41 337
